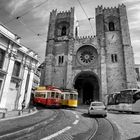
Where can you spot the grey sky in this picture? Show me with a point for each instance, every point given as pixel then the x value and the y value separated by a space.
pixel 31 24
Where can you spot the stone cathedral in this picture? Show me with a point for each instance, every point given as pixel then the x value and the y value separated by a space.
pixel 94 65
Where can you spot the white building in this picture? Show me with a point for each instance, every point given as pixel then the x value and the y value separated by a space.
pixel 17 67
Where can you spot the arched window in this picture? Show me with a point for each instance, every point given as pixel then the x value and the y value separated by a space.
pixel 111 26
pixel 63 32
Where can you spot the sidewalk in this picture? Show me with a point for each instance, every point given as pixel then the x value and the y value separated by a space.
pixel 15 125
pixel 16 113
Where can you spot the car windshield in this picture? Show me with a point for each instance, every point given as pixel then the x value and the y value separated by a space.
pixel 97 104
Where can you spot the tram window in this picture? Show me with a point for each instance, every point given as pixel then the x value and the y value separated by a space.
pixel 71 96
pixel 48 94
pixel 52 94
pixel 57 95
pixel 62 96
pixel 37 95
pixel 44 95
pixel 67 96
pixel 75 96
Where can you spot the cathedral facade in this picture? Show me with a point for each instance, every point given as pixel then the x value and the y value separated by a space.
pixel 94 65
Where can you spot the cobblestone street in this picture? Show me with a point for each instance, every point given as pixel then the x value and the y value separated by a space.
pixel 128 124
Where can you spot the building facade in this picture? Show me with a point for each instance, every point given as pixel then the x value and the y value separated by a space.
pixel 94 65
pixel 17 67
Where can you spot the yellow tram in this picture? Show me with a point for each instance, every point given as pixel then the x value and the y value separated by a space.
pixel 69 98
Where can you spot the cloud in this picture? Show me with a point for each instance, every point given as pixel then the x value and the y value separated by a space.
pixel 136 41
pixel 134 25
pixel 130 1
pixel 134 7
pixel 16 4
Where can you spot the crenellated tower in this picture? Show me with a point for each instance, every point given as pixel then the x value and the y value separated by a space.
pixel 62 29
pixel 117 60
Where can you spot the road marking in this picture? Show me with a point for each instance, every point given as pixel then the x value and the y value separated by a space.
pixel 73 112
pixel 52 119
pixel 77 116
pixel 57 133
pixel 76 121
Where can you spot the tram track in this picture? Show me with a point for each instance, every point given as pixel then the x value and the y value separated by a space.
pixel 115 129
pixel 100 127
pixel 103 125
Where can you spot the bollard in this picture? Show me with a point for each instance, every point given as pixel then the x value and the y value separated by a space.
pixel 34 109
pixel 30 110
pixel 20 112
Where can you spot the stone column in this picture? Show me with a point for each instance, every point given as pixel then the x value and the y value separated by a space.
pixel 7 79
pixel 103 75
pixel 69 65
pixel 23 85
pixel 29 89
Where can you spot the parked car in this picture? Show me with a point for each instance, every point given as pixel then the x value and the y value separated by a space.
pixel 97 108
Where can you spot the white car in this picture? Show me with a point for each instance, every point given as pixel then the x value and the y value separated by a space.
pixel 97 108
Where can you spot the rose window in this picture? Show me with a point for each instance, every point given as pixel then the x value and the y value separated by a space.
pixel 86 55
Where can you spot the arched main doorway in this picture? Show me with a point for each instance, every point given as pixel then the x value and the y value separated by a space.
pixel 87 85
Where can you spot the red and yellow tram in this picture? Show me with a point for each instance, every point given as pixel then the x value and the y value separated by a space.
pixel 49 96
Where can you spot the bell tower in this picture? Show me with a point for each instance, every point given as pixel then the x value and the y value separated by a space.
pixel 117 60
pixel 61 33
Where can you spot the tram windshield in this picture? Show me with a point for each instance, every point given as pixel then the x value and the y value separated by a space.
pixel 40 94
pixel 73 96
pixel 111 99
pixel 136 96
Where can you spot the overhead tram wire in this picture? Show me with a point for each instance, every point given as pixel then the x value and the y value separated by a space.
pixel 34 7
pixel 86 15
pixel 30 29
pixel 19 19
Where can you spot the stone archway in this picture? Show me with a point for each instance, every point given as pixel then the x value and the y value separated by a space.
pixel 87 85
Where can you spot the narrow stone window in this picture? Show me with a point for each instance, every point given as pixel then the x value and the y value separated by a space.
pixel 111 26
pixel 60 59
pixel 63 32
pixel 114 58
pixel 76 31
pixel 2 55
pixel 137 74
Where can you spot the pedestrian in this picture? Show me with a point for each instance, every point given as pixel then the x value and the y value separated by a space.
pixel 23 105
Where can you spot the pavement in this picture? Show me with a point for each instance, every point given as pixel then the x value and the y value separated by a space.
pixel 17 123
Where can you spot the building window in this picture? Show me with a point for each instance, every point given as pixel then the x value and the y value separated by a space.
pixel 76 31
pixel 114 58
pixel 111 26
pixel 63 32
pixel 60 59
pixel 137 74
pixel 16 70
pixel 2 55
